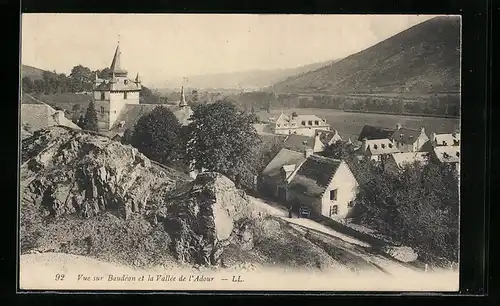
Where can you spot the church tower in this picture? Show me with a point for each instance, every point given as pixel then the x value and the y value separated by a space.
pixel 114 91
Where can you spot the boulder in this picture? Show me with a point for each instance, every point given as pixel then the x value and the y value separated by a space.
pixel 202 217
pixel 401 253
pixel 83 173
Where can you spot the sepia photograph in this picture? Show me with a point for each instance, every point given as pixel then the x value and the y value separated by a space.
pixel 239 152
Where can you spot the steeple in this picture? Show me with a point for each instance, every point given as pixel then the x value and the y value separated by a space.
pixel 137 79
pixel 116 67
pixel 183 102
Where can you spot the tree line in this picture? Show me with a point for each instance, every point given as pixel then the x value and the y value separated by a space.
pixel 79 80
pixel 444 105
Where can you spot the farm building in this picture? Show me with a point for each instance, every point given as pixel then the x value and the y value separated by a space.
pixel 409 140
pixel 452 139
pixel 375 148
pixel 305 125
pixel 397 161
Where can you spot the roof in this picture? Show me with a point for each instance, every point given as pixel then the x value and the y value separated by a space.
pixel 116 66
pixel 326 136
pixel 131 113
pixel 381 146
pixel 447 139
pixel 284 157
pixel 284 118
pixel 408 158
pixel 314 175
pixel 298 142
pixel 375 132
pixel 41 116
pixel 104 85
pixel 406 135
pixel 448 154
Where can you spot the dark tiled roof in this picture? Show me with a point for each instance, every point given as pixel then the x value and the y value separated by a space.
pixel 406 135
pixel 284 157
pixel 375 132
pixel 298 143
pixel 314 175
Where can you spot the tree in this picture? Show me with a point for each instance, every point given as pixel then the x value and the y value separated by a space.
pixel 90 121
pixel 418 207
pixel 222 139
pixel 340 150
pixel 157 135
pixel 81 78
pixel 27 84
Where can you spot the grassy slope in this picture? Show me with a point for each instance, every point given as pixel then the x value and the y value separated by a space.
pixel 424 58
pixel 31 72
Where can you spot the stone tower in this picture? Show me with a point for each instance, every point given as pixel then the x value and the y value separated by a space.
pixel 114 91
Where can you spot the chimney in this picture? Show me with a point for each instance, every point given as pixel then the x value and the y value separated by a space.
pixel 365 144
pixel 308 152
pixel 433 137
pixel 398 126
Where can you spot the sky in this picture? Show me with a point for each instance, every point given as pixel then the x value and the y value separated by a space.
pixel 162 47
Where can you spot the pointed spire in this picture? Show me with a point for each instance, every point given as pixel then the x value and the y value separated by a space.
pixel 137 79
pixel 183 98
pixel 96 77
pixel 116 63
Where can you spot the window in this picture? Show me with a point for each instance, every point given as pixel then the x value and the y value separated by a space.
pixel 390 145
pixel 383 146
pixel 333 195
pixel 444 143
pixel 125 81
pixel 285 124
pixel 103 96
pixel 334 210
pixel 375 146
pixel 310 122
pixel 303 123
pixel 455 142
pixel 316 122
pixel 278 125
pixel 125 95
pixel 102 109
pixel 458 154
pixel 350 204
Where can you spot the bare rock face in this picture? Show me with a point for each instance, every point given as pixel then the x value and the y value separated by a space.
pixel 83 173
pixel 202 217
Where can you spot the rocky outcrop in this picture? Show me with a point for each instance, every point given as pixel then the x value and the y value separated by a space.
pixel 202 218
pixel 83 173
pixel 401 253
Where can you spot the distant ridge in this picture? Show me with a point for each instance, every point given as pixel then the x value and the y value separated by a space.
pixel 422 59
pixel 32 72
pixel 250 79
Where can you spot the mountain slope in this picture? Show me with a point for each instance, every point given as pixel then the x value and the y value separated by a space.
pixel 31 72
pixel 250 79
pixel 424 58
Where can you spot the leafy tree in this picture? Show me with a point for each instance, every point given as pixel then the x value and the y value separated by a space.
pixel 222 139
pixel 340 150
pixel 90 121
pixel 27 84
pixel 418 207
pixel 157 135
pixel 146 96
pixel 81 78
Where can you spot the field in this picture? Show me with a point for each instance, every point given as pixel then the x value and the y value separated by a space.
pixel 350 124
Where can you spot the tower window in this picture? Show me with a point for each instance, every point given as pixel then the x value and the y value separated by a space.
pixel 125 81
pixel 102 109
pixel 125 95
pixel 103 96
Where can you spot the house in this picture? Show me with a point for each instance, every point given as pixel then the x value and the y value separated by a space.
pixel 116 98
pixel 397 161
pixel 40 116
pixel 276 174
pixel 328 137
pixel 325 185
pixel 300 143
pixel 375 148
pixel 305 125
pixel 452 139
pixel 371 132
pixel 409 140
pixel 449 155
